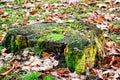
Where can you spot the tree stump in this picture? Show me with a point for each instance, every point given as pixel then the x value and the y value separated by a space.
pixel 73 42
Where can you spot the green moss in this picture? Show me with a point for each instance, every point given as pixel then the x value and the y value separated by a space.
pixel 18 2
pixel 55 37
pixel 115 38
pixel 48 77
pixel 80 65
pixel 12 44
pixel 20 42
pixel 0 48
pixel 72 58
pixel 90 54
pixel 116 24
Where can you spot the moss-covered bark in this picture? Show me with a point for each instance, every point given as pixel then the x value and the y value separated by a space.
pixel 76 37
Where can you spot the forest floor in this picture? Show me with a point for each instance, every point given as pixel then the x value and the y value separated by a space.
pixel 105 14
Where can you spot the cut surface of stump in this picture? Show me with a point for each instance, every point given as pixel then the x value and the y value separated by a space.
pixel 50 34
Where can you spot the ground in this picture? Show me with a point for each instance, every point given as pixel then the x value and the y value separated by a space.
pixel 105 14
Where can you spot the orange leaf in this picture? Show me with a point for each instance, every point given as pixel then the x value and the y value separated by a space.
pixel 99 19
pixel 45 54
pixel 1 38
pixel 33 12
pixel 86 1
pixel 6 19
pixel 116 29
pixel 111 3
pixel 25 21
pixel 62 71
pixel 48 19
pixel 80 10
pixel 1 12
pixel 111 28
pixel 93 3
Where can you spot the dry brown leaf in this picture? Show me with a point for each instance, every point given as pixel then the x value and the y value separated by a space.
pixel 117 48
pixel 62 71
pixel 13 58
pixel 80 10
pixel 45 54
pixel 6 19
pixel 48 19
pixel 111 27
pixel 116 30
pixel 1 12
pixel 99 19
pixel 111 3
pixel 1 38
pixel 7 72
pixel 65 50
pixel 33 12
pixel 87 2
pixel 18 65
pixel 31 53
pixel 93 3
pixel 25 21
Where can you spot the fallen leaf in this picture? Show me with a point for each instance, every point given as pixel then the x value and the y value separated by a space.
pixel 99 19
pixel 48 19
pixel 13 58
pixel 6 19
pixel 33 12
pixel 117 48
pixel 116 30
pixel 87 2
pixel 25 21
pixel 93 3
pixel 7 72
pixel 1 38
pixel 62 71
pixel 1 12
pixel 45 54
pixel 111 3
pixel 80 10
pixel 111 27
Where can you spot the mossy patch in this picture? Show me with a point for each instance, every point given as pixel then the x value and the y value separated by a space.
pixel 55 37
pixel 30 76
pixel 48 77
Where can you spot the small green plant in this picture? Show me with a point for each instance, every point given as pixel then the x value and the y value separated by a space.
pixel 0 49
pixel 48 77
pixel 43 16
pixel 116 24
pixel 115 38
pixel 30 76
pixel 38 51
pixel 19 2
pixel 2 68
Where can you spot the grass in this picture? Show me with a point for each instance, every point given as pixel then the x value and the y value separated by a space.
pixel 30 76
pixel 48 77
